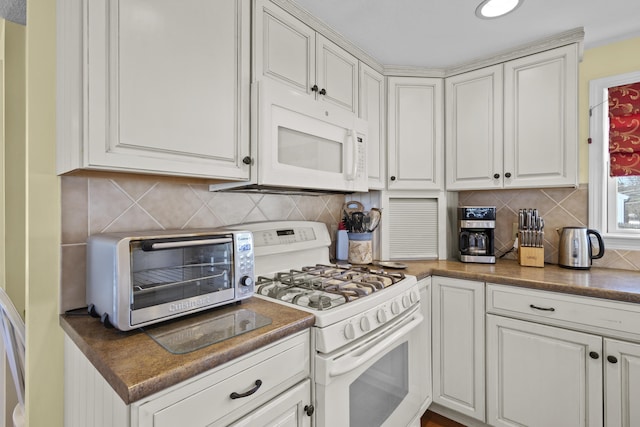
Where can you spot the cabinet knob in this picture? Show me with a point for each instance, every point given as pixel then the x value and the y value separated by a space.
pixel 594 355
pixel 314 88
pixel 612 359
pixel 496 175
pixel 507 175
pixel 393 178
pixel 246 160
pixel 308 409
pixel 322 91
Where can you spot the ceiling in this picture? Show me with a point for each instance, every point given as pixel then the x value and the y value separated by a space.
pixel 447 33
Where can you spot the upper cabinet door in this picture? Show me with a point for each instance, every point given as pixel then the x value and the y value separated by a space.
pixel 474 129
pixel 289 51
pixel 165 87
pixel 415 139
pixel 540 119
pixel 284 48
pixel 336 75
pixel 372 109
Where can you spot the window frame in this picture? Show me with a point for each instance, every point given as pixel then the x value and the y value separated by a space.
pixel 599 183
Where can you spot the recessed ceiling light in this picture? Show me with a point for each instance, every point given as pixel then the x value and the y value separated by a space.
pixel 489 9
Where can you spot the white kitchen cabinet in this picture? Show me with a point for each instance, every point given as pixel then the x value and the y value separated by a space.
pixel 587 350
pixel 157 87
pixel 474 129
pixel 287 410
pixel 622 383
pixel 292 53
pixel 415 133
pixel 529 142
pixel 540 375
pixel 372 109
pixel 282 398
pixel 458 345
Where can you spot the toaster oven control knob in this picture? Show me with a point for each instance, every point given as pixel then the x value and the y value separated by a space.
pixel 382 316
pixel 246 281
pixel 349 331
pixel 365 325
pixel 395 307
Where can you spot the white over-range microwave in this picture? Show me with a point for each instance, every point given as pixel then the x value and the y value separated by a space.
pixel 301 142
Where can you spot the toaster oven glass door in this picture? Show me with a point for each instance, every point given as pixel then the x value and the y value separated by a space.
pixel 179 275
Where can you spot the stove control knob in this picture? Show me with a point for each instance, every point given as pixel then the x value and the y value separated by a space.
pixel 382 316
pixel 413 296
pixel 395 307
pixel 365 325
pixel 349 332
pixel 246 281
pixel 405 301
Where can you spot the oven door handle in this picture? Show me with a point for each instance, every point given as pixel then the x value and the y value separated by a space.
pixel 351 363
pixel 151 245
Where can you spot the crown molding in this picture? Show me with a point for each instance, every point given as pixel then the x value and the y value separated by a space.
pixel 412 71
pixel 575 35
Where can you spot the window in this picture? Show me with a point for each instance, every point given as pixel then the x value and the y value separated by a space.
pixel 614 202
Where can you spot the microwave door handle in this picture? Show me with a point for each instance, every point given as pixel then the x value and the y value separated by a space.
pixel 155 245
pixel 352 158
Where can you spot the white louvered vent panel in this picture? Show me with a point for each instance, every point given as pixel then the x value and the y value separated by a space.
pixel 413 228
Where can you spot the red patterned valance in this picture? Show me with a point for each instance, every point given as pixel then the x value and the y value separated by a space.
pixel 624 130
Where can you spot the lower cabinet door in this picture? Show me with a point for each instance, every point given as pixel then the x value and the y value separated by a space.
pixel 458 345
pixel 287 410
pixel 541 376
pixel 622 383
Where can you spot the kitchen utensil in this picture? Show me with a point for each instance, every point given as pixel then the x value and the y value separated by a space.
pixel 375 215
pixel 575 250
pixel 352 206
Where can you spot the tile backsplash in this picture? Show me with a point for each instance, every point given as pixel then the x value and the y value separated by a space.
pixel 560 207
pixel 109 203
pixel 92 205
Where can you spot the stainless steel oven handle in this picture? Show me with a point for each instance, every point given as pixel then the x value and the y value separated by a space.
pixel 350 363
pixel 187 243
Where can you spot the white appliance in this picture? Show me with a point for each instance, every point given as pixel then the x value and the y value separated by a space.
pixel 302 143
pixel 370 337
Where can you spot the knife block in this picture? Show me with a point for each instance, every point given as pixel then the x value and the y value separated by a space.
pixel 531 256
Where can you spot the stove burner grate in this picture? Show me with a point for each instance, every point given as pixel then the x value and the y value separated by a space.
pixel 323 287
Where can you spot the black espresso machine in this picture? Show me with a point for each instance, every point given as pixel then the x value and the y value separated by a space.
pixel 476 225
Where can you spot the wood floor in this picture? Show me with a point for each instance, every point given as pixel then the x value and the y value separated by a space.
pixel 431 419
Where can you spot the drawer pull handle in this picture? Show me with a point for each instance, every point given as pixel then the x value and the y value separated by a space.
pixel 535 307
pixel 612 359
pixel 235 395
pixel 594 355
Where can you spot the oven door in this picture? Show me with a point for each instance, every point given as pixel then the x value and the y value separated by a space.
pixel 176 275
pixel 381 381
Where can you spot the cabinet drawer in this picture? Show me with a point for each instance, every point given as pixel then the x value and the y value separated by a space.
pixel 610 318
pixel 207 399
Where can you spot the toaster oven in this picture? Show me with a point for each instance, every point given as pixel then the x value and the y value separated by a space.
pixel 137 279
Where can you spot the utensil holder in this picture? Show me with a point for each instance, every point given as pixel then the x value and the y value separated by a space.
pixel 360 248
pixel 531 256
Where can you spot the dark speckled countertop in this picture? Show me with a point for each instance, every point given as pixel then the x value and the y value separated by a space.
pixel 136 366
pixel 619 285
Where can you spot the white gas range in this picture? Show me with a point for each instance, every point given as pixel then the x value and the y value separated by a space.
pixel 369 337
